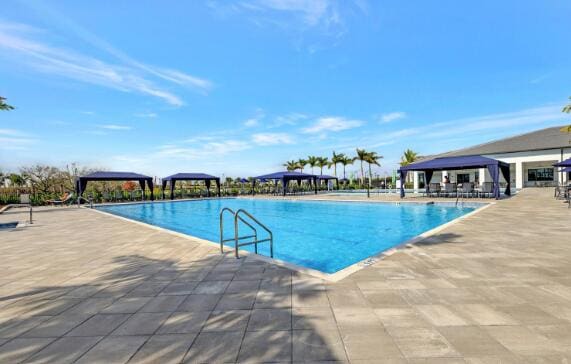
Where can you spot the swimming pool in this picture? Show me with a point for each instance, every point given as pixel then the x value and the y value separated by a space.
pixel 323 235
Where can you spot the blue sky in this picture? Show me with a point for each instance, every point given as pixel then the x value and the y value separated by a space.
pixel 237 88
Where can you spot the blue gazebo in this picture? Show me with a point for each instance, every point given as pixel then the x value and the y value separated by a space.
pixel 494 166
pixel 285 177
pixel 565 163
pixel 81 182
pixel 190 177
pixel 327 178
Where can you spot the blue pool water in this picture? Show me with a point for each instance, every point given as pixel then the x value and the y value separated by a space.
pixel 327 236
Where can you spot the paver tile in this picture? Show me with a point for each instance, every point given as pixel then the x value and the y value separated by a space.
pixel 164 349
pixel 113 349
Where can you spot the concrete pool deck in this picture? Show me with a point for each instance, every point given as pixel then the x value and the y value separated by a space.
pixel 79 286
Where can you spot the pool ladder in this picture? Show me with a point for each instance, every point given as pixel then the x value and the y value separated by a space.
pixel 237 238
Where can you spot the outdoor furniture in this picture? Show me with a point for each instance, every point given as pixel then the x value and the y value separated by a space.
pixel 429 166
pixel 451 189
pixel 487 189
pixel 144 181
pixel 286 177
pixel 434 189
pixel 66 198
pixel 173 179
pixel 467 189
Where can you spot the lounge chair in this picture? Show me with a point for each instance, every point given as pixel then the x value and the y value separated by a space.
pixel 467 189
pixel 66 198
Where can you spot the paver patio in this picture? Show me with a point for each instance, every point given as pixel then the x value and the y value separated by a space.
pixel 79 286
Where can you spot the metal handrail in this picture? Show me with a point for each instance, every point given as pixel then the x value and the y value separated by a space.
pixel 222 240
pixel 90 201
pixel 237 238
pixel 271 238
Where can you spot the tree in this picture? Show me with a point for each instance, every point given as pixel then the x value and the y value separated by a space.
pixel 335 159
pixel 345 161
pixel 372 159
pixel 322 162
pixel 4 106
pixel 567 108
pixel 362 157
pixel 16 180
pixel 409 156
pixel 44 179
pixel 312 161
pixel 129 186
pixel 301 164
pixel 291 165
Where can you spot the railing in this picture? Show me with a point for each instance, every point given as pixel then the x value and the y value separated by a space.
pixel 237 238
pixel 89 201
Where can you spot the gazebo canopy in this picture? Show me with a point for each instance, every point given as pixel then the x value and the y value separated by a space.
pixel 565 163
pixel 81 182
pixel 285 177
pixel 190 177
pixel 325 177
pixel 494 166
pixel 566 170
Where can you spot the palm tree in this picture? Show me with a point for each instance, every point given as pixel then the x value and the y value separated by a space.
pixel 409 156
pixel 322 162
pixel 4 105
pixel 362 157
pixel 372 159
pixel 301 163
pixel 291 165
pixel 345 161
pixel 335 160
pixel 312 161
pixel 567 108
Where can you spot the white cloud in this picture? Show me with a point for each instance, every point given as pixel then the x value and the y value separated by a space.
pixel 204 150
pixel 256 119
pixel 251 122
pixel 332 123
pixel 146 115
pixel 11 139
pixel 115 127
pixel 392 116
pixel 127 76
pixel 289 119
pixel 272 138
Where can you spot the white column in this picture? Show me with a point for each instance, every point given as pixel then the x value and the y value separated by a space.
pixel 415 180
pixel 518 175
pixel 444 175
pixel 482 175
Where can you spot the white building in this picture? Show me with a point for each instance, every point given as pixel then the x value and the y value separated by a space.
pixel 531 157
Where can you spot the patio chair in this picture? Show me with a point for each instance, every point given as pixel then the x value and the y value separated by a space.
pixel 434 189
pixel 66 198
pixel 487 189
pixel 468 189
pixel 105 196
pixel 118 195
pixel 450 189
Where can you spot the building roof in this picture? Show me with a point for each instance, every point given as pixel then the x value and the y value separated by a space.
pixel 548 138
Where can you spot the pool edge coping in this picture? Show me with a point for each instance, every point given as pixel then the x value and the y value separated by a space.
pixel 331 277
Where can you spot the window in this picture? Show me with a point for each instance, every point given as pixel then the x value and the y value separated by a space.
pixel 421 182
pixel 540 174
pixel 463 178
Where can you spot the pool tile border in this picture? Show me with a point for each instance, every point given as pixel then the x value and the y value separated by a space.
pixel 330 277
